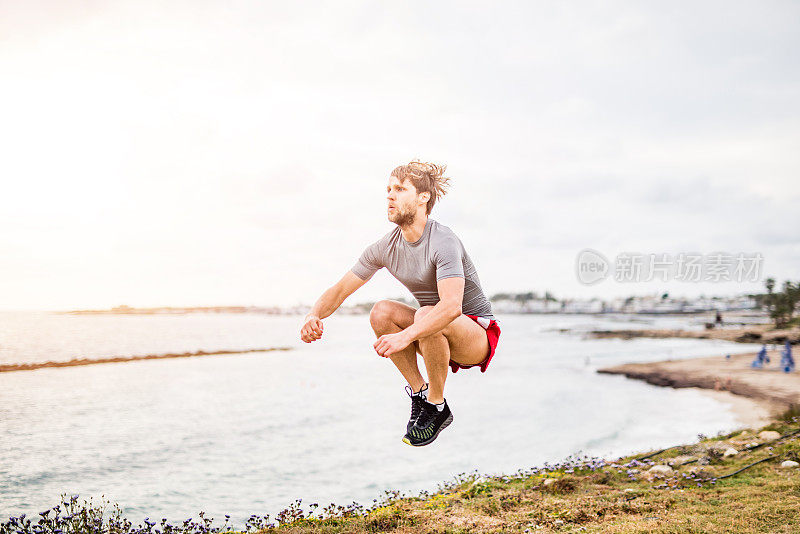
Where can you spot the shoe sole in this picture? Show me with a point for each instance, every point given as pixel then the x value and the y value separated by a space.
pixel 435 435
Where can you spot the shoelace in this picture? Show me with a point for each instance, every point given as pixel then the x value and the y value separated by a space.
pixel 416 403
pixel 427 414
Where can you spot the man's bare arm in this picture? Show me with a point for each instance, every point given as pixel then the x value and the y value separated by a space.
pixel 451 295
pixel 327 303
pixel 333 297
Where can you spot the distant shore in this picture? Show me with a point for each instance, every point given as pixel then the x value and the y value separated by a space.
pixel 179 310
pixel 770 390
pixel 355 309
pixel 749 334
pixel 364 308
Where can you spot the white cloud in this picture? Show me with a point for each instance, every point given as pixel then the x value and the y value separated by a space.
pixel 198 153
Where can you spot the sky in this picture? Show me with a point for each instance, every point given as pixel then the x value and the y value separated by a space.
pixel 196 153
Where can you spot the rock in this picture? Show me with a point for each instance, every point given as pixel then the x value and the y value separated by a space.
pixel 658 471
pixel 789 464
pixel 549 481
pixel 678 460
pixel 730 451
pixel 769 435
pixel 704 470
pixel 717 446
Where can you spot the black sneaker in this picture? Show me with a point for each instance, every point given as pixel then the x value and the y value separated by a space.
pixel 416 405
pixel 428 425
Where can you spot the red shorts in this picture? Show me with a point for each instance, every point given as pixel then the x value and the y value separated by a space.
pixel 493 333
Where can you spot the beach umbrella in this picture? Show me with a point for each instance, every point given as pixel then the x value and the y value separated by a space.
pixel 787 362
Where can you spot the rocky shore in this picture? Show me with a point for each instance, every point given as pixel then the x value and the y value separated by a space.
pixel 780 390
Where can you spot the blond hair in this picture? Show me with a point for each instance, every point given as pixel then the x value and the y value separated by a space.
pixel 425 177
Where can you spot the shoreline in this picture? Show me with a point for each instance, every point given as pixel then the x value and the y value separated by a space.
pixel 744 481
pixel 755 395
pixel 749 412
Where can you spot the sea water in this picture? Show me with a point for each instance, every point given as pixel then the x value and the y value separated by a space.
pixel 245 434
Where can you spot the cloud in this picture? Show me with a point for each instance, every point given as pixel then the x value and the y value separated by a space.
pixel 191 153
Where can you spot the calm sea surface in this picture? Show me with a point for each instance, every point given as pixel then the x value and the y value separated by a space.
pixel 249 433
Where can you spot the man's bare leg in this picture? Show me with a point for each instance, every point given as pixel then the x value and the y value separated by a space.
pixel 462 341
pixel 390 317
pixel 436 353
pixel 435 350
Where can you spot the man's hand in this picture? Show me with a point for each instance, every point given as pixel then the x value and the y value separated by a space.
pixel 312 329
pixel 388 344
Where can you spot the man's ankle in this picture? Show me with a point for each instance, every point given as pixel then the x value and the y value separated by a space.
pixel 423 387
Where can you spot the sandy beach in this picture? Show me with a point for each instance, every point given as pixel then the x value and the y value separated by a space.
pixel 754 394
pixel 749 412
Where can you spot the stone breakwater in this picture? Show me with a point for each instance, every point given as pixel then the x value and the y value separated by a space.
pixel 91 361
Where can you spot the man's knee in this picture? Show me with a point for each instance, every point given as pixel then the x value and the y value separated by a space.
pixel 381 314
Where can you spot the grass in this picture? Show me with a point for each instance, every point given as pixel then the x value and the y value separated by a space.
pixel 591 495
pixel 706 491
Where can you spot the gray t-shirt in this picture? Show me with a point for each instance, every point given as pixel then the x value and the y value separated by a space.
pixel 437 254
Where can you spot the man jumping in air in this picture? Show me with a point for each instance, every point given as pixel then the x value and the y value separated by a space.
pixel 454 324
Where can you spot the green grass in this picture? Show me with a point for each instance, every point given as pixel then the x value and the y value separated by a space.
pixel 602 498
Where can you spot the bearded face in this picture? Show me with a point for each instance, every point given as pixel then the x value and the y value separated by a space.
pixel 403 215
pixel 402 202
